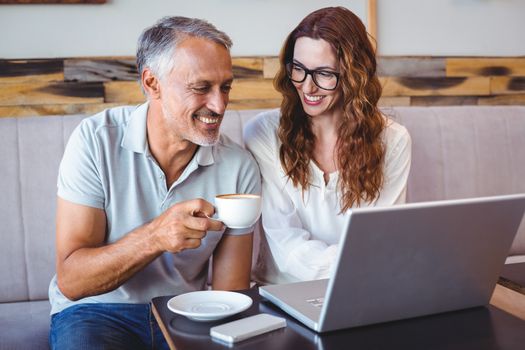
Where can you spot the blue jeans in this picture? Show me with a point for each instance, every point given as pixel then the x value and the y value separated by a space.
pixel 106 326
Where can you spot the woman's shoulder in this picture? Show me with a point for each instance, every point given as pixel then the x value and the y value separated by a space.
pixel 260 135
pixel 396 140
pixel 395 132
pixel 263 126
pixel 265 120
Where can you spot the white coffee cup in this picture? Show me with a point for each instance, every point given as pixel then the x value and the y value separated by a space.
pixel 238 210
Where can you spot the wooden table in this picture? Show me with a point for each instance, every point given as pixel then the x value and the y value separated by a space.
pixel 510 292
pixel 497 326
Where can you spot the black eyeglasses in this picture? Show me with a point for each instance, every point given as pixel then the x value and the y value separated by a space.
pixel 324 79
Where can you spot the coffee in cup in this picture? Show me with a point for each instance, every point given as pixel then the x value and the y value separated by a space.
pixel 238 210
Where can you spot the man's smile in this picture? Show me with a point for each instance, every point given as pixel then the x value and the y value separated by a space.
pixel 207 119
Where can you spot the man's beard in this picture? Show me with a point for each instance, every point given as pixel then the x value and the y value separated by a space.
pixel 212 136
pixel 192 133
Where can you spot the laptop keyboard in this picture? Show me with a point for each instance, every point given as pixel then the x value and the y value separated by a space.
pixel 317 302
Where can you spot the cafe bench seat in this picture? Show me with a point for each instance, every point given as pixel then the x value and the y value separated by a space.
pixel 457 152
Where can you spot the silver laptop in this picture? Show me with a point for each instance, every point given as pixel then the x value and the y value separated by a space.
pixel 408 260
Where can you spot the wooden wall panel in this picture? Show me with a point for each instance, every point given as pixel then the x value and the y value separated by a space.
pixel 50 93
pixel 90 84
pixel 123 92
pixel 411 67
pixel 271 66
pixel 444 100
pixel 386 101
pixel 22 71
pixel 435 86
pixel 54 109
pixel 254 104
pixel 100 69
pixel 502 100
pixel 253 89
pixel 247 67
pixel 494 66
pixel 507 85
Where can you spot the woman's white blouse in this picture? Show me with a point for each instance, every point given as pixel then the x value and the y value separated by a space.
pixel 302 230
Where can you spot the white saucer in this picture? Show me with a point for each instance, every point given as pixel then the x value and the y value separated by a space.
pixel 209 305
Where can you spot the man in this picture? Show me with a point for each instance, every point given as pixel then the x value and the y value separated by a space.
pixel 134 192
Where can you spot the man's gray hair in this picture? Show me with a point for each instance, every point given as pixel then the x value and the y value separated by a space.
pixel 157 43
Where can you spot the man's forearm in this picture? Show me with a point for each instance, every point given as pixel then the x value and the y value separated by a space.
pixel 96 270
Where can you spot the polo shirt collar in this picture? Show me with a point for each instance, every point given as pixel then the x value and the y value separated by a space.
pixel 135 136
pixel 204 155
pixel 136 140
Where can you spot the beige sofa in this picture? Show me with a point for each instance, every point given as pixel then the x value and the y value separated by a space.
pixel 457 152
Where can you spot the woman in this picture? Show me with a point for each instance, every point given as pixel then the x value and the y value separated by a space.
pixel 327 150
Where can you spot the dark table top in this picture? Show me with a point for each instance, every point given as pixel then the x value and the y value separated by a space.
pixel 477 328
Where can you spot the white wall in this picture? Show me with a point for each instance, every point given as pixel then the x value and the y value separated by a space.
pixel 258 27
pixel 452 27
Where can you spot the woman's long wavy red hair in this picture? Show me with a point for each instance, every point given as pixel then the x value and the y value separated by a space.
pixel 360 151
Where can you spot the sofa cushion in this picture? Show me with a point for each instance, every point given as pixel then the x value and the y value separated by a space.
pixel 25 325
pixel 466 151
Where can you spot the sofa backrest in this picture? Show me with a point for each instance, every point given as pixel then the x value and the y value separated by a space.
pixel 456 152
pixel 461 152
pixel 466 151
pixel 30 151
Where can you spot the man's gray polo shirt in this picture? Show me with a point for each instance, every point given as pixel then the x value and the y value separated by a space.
pixel 107 164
